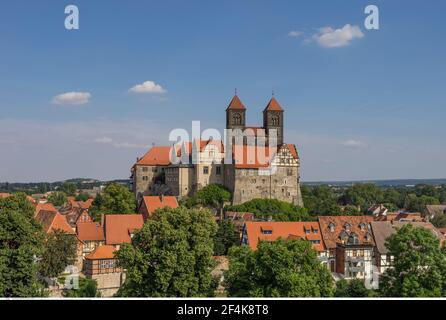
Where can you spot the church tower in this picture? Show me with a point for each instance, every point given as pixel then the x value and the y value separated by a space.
pixel 273 119
pixel 236 114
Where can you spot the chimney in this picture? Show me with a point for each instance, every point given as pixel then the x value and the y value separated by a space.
pixel 102 219
pixel 162 198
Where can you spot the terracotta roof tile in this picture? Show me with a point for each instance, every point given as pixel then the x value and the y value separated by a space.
pixel 90 231
pixel 156 156
pixel 285 230
pixel 236 104
pixel 102 252
pixel 348 225
pixel 273 105
pixel 119 226
pixel 154 203
pixel 53 221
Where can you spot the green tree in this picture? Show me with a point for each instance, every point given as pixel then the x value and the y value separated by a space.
pixel 116 199
pixel 59 252
pixel 21 239
pixel 88 288
pixel 419 268
pixel 439 220
pixel 171 256
pixel 277 269
pixel 58 198
pixel 351 210
pixel 416 203
pixel 352 289
pixel 68 188
pixel 363 195
pixel 278 210
pixel 225 238
pixel 82 197
pixel 321 201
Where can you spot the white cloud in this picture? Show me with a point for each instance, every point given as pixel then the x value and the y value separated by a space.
pixel 148 87
pixel 353 143
pixel 72 98
pixel 295 33
pixel 332 38
pixel 110 141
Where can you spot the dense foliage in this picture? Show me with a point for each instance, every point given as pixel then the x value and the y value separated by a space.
pixel 88 288
pixel 419 268
pixel 271 208
pixel 171 256
pixel 68 188
pixel 225 238
pixel 57 198
pixel 325 200
pixel 277 269
pixel 59 252
pixel 352 289
pixel 116 199
pixel 21 241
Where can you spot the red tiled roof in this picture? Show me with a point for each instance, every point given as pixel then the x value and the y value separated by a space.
pixel 156 156
pixel 52 221
pixel 154 203
pixel 248 157
pixel 273 105
pixel 4 195
pixel 102 252
pixel 284 230
pixel 90 231
pixel 119 226
pixel 236 104
pixel 331 238
pixel 46 207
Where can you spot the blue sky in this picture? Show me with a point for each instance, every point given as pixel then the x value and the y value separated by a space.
pixel 371 108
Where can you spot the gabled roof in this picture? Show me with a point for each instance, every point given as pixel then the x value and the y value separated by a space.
pixel 285 230
pixel 90 231
pixel 434 209
pixel 236 104
pixel 102 252
pixel 118 227
pixel 339 223
pixel 154 203
pixel 273 105
pixel 46 207
pixel 52 221
pixel 156 156
pixel 251 157
pixel 381 231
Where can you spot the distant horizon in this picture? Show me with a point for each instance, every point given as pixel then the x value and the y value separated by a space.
pixel 302 181
pixel 358 102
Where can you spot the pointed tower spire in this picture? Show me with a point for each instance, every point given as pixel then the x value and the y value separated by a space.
pixel 273 105
pixel 236 104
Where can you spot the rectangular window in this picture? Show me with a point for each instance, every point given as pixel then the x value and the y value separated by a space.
pixel 145 178
pixel 205 170
pixel 218 170
pixel 145 169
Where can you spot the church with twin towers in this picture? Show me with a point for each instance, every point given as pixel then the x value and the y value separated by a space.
pixel 261 164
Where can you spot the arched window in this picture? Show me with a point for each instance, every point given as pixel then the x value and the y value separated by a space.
pixel 275 120
pixel 237 119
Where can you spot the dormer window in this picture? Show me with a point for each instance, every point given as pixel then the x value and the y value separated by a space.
pixel 353 239
pixel 331 226
pixel 368 237
pixel 347 226
pixel 266 230
pixel 362 226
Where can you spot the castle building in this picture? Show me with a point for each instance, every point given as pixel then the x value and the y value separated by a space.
pixel 254 162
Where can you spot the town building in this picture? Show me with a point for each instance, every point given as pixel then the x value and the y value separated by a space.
pixel 350 243
pixel 101 265
pixel 432 210
pixel 150 204
pixel 251 166
pixel 256 231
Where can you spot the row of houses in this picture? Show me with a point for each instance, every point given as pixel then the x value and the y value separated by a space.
pixel 352 247
pixel 98 241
